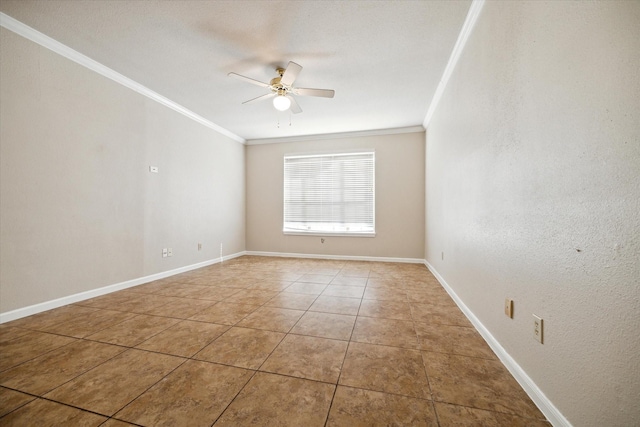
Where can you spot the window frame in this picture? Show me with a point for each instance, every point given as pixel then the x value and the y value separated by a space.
pixel 327 233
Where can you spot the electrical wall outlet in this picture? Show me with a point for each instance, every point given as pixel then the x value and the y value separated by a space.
pixel 538 327
pixel 164 252
pixel 199 246
pixel 169 252
pixel 508 308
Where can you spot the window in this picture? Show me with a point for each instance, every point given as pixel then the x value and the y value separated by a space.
pixel 330 194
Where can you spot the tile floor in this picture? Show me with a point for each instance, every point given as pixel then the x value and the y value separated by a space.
pixel 265 342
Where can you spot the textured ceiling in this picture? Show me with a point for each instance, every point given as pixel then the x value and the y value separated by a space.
pixel 384 59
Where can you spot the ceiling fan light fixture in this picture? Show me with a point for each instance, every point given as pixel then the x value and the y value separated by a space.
pixel 282 90
pixel 281 103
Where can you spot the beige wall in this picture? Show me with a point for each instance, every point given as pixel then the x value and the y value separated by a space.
pixel 79 208
pixel 533 190
pixel 399 198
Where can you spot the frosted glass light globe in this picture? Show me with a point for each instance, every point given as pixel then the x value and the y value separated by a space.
pixel 281 103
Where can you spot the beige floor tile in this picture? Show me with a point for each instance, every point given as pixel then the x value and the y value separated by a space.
pixel 272 319
pixel 51 414
pixel 385 294
pixel 336 305
pixel 239 283
pixel 182 290
pixel 291 300
pixel 184 339
pixel 307 357
pixel 112 385
pixel 29 346
pixel 276 400
pixel 344 291
pixel 363 408
pixel 452 339
pixel 284 276
pixel 11 400
pixel 215 293
pixel 58 366
pixel 386 369
pixel 397 333
pixel 8 333
pixel 133 331
pixel 326 271
pixel 307 288
pixel 357 273
pixel 398 310
pixel 251 296
pixel 144 303
pixel 438 314
pixel 342 280
pixel 454 415
pixel 201 280
pixel 479 383
pixel 91 323
pixel 272 285
pixel 384 283
pixel 430 296
pixel 116 423
pixel 181 308
pixel 325 325
pixel 242 347
pixel 224 313
pixel 323 279
pixel 195 394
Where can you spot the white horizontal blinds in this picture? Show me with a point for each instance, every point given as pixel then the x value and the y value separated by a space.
pixel 330 193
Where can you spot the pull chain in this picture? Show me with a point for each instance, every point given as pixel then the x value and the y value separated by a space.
pixel 278 119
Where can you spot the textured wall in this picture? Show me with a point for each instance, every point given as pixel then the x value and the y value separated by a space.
pixel 79 208
pixel 533 193
pixel 399 198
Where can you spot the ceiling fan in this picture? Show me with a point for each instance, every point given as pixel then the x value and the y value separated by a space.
pixel 281 89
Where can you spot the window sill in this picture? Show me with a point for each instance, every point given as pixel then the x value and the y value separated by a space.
pixel 328 234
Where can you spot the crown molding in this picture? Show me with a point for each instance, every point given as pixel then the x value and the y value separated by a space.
pixel 373 132
pixel 35 36
pixel 465 32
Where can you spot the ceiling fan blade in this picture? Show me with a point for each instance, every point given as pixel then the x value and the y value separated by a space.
pixel 325 93
pixel 248 80
pixel 260 98
pixel 295 108
pixel 290 74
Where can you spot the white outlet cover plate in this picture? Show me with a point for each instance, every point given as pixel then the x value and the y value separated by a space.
pixel 508 308
pixel 538 328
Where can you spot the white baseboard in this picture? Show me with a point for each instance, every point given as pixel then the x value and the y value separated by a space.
pixel 545 405
pixel 59 302
pixel 336 257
